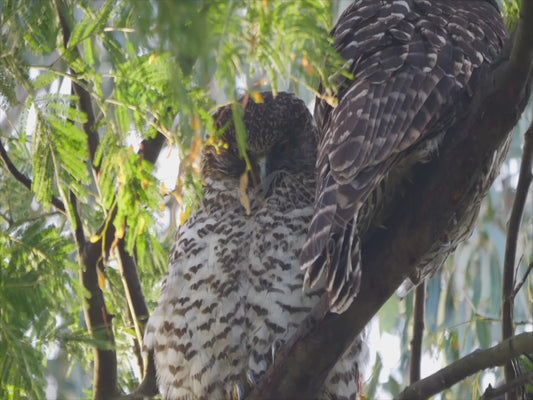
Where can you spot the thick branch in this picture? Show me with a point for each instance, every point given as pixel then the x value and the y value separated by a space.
pixel 418 333
pixel 19 176
pixel 441 195
pixel 508 286
pixel 466 366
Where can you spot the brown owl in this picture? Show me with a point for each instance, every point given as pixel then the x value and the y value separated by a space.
pixel 234 288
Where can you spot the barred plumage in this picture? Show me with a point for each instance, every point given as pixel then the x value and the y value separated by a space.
pixel 413 63
pixel 234 289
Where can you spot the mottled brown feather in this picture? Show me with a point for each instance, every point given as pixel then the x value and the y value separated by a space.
pixel 413 62
pixel 234 288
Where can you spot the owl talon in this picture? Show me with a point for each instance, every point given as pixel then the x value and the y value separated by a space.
pixel 250 378
pixel 238 392
pixel 275 347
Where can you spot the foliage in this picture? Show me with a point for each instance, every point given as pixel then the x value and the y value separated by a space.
pixel 83 86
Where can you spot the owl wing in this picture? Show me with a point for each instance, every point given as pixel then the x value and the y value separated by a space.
pixel 410 61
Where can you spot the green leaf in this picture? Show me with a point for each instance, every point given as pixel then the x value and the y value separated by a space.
pixel 92 23
pixel 44 80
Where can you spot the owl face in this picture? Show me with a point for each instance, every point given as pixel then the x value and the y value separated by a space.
pixel 281 136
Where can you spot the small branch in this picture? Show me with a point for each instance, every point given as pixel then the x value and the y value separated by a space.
pixel 150 148
pixel 19 176
pixel 493 393
pixel 134 294
pixel 524 279
pixel 508 285
pixel 468 365
pixel 418 332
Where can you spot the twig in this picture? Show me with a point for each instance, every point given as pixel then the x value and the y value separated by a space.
pixel 418 332
pixel 492 393
pixel 508 286
pixel 27 182
pixel 524 279
pixel 468 365
pixel 134 295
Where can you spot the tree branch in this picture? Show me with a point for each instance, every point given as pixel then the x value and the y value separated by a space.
pixel 466 366
pixel 418 333
pixel 134 294
pixel 509 267
pixel 524 279
pixel 99 321
pixel 27 182
pixel 150 148
pixel 443 194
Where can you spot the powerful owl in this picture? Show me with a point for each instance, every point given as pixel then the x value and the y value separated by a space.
pixel 234 289
pixel 414 66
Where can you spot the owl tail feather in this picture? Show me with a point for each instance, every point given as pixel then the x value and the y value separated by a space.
pixel 332 247
pixel 313 258
pixel 339 260
pixel 343 273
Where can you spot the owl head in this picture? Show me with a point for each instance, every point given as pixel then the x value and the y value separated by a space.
pixel 281 136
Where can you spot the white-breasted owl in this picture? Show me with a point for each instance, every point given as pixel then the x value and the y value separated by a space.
pixel 415 65
pixel 234 288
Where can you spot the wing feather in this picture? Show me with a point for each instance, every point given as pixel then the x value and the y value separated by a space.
pixel 411 60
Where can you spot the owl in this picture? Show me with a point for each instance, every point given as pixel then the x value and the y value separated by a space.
pixel 414 66
pixel 234 293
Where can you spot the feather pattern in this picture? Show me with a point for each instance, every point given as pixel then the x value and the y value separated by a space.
pixel 234 289
pixel 411 61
